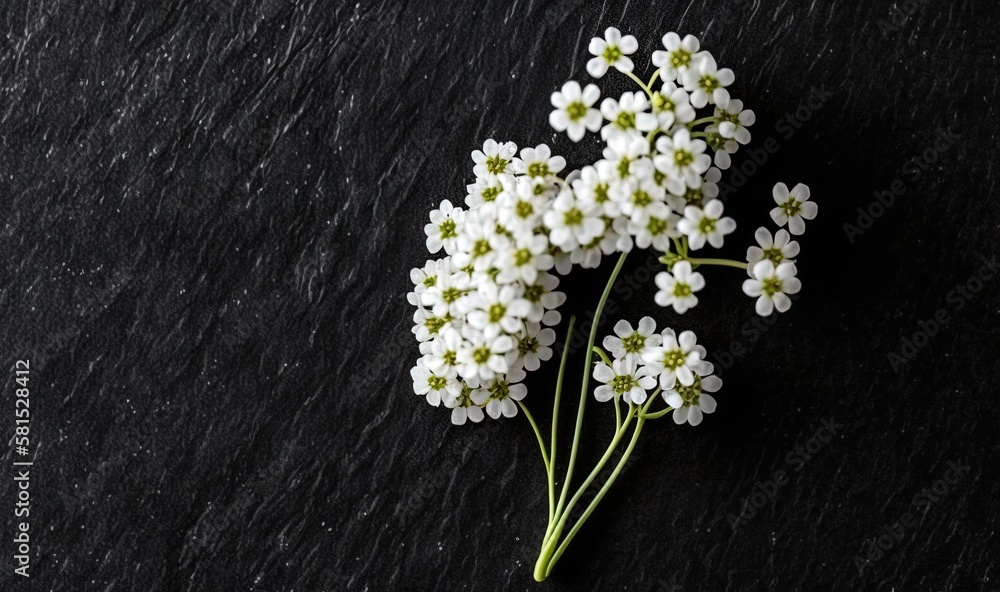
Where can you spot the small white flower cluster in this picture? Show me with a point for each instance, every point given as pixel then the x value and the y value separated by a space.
pixel 484 310
pixel 771 265
pixel 643 358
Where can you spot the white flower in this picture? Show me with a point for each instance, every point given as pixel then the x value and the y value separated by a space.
pixel 722 147
pixel 613 50
pixel 676 360
pixel 734 121
pixel 705 191
pixel 484 193
pixel 538 163
pixel 776 249
pixel 628 342
pixel 520 206
pixel 706 83
pixel 524 260
pixel 625 378
pixel 793 207
pixel 443 356
pixel 701 225
pixel 494 159
pixel 677 288
pixel 640 199
pixel 496 309
pixel 679 56
pixel 544 300
pixel 432 386
pixel 574 113
pixel 443 230
pixel 690 403
pixel 672 105
pixel 771 285
pixel 482 357
pixel 469 405
pixel 425 280
pixel 593 185
pixel 626 156
pixel 534 347
pixel 573 222
pixel 450 292
pixel 427 325
pixel 682 159
pixel 627 114
pixel 503 394
pixel 656 230
pixel 479 245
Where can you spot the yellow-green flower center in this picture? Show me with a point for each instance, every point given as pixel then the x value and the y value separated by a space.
pixel 538 169
pixel 481 355
pixel 573 217
pixel 774 254
pixel 524 209
pixel 496 312
pixel 673 359
pixel 625 120
pixel 690 394
pixel 656 226
pixel 634 343
pixel 611 53
pixel 496 164
pixel 641 198
pixel 481 248
pixel 522 257
pixel 771 286
pixel 490 193
pixel 683 158
pixel 447 229
pixel 680 58
pixel 623 384
pixel 792 207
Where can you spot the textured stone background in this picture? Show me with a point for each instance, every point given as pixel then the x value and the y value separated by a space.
pixel 209 213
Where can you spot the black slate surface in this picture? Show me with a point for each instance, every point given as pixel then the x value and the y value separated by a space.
pixel 209 214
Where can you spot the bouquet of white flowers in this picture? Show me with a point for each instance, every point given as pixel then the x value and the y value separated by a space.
pixel 485 311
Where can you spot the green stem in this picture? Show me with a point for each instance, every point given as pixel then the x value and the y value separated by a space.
pixel 555 425
pixel 653 78
pixel 641 84
pixel 553 531
pixel 618 414
pixel 657 414
pixel 551 544
pixel 586 379
pixel 538 435
pixel 600 494
pixel 725 262
pixel 603 355
pixel 700 121
pixel 699 135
